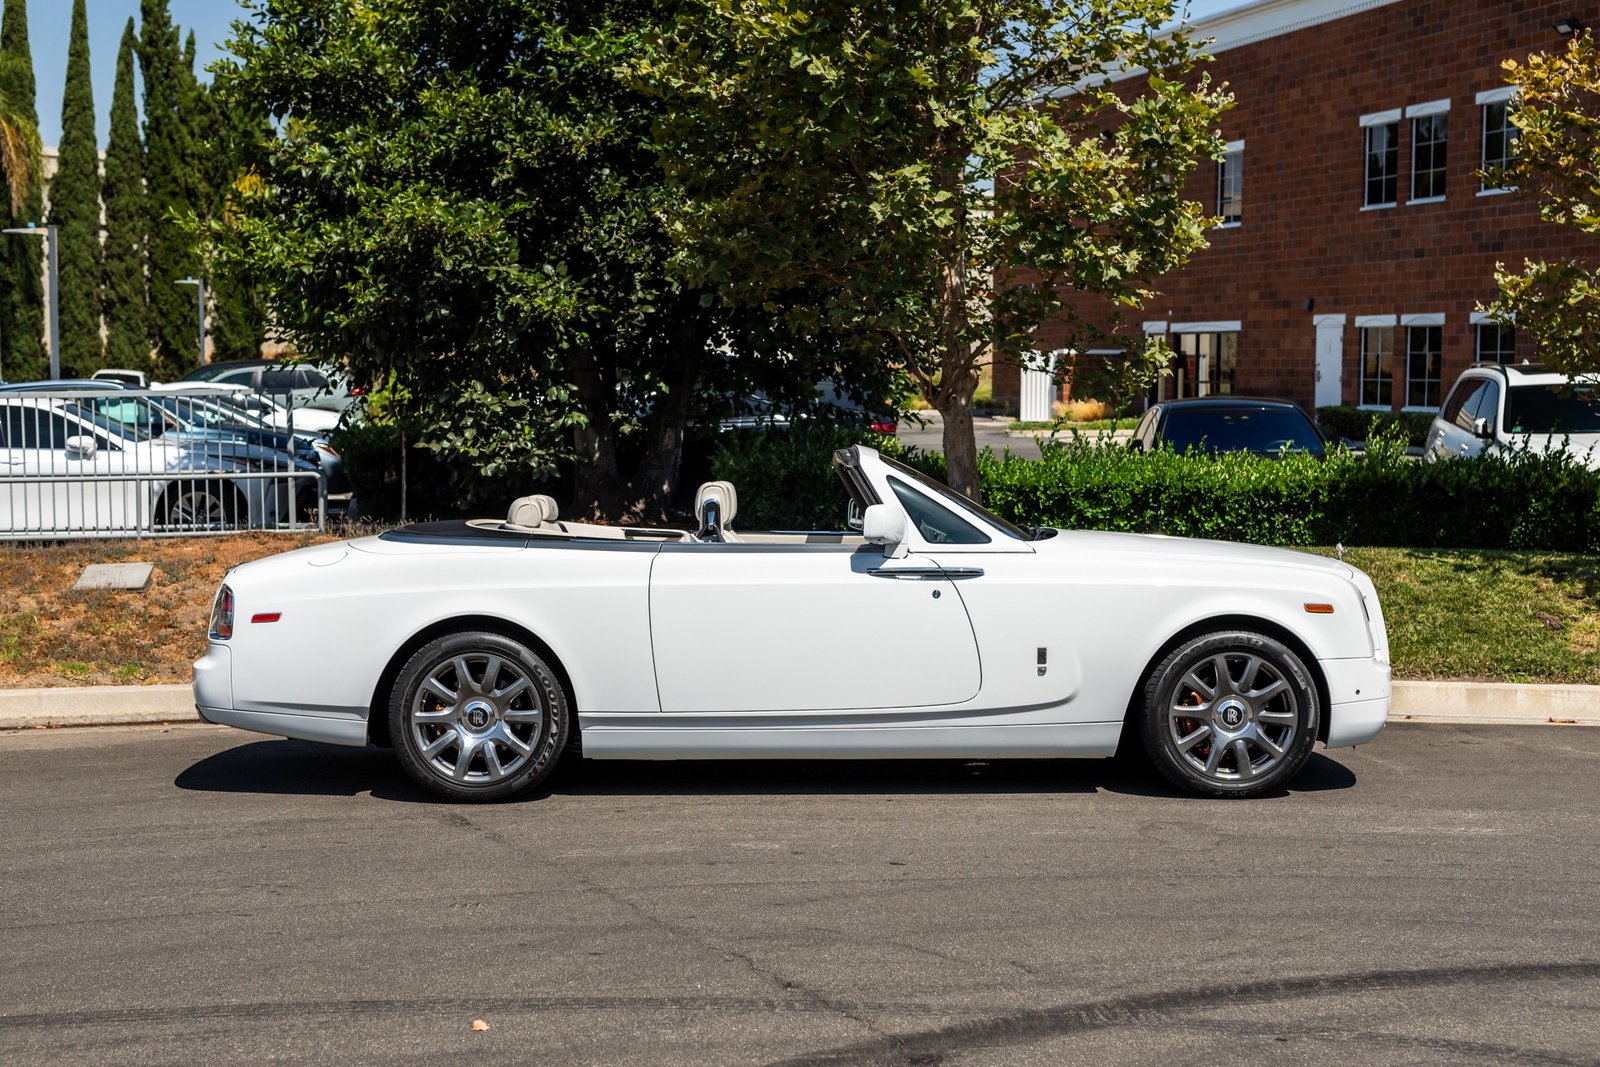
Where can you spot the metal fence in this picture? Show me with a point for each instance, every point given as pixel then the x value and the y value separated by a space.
pixel 85 462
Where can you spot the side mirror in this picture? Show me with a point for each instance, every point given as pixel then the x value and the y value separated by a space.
pixel 1481 428
pixel 886 526
pixel 80 447
pixel 852 515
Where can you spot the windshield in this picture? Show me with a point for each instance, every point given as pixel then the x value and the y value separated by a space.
pixel 961 503
pixel 1230 429
pixel 1553 409
pixel 138 429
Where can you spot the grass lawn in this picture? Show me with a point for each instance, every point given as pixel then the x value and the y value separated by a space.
pixel 1488 616
pixel 1493 616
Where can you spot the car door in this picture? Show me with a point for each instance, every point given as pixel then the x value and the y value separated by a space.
pixel 806 628
pixel 1451 436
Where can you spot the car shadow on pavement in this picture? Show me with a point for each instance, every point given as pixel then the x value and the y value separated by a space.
pixel 305 768
pixel 301 768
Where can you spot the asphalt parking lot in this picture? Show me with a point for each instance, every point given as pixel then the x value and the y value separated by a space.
pixel 197 894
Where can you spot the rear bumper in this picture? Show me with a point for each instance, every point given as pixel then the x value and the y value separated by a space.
pixel 214 701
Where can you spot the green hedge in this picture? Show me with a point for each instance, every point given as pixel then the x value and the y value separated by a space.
pixel 1524 501
pixel 1358 423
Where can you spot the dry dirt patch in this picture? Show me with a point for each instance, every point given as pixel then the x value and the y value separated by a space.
pixel 51 634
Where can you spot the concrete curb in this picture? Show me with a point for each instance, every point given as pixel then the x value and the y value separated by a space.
pixel 1425 702
pixel 95 705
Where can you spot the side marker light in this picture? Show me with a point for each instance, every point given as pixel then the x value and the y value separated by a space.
pixel 1320 609
pixel 266 616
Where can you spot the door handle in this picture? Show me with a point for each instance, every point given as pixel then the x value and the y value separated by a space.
pixel 927 573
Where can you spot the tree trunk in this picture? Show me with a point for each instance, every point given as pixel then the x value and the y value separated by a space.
pixel 960 444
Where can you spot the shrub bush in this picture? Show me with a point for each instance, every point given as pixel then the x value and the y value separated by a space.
pixel 785 478
pixel 1357 423
pixel 436 486
pixel 1521 501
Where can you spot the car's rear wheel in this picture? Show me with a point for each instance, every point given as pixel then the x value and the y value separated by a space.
pixel 1230 714
pixel 197 505
pixel 478 716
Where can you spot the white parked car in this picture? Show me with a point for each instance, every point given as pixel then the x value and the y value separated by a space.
pixel 67 472
pixel 1495 408
pixel 261 406
pixel 481 650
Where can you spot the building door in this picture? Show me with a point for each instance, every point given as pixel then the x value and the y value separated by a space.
pixel 1330 360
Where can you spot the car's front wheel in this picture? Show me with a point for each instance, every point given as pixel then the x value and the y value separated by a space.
pixel 1230 714
pixel 478 716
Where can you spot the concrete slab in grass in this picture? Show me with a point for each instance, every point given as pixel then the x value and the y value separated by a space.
pixel 115 576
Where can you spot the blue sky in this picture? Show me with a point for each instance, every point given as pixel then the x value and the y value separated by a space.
pixel 50 23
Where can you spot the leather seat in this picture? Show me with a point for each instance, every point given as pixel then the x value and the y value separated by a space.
pixel 715 505
pixel 532 512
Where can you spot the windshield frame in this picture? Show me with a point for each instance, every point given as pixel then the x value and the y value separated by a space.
pixel 948 496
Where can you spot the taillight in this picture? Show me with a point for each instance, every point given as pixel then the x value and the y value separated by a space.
pixel 222 615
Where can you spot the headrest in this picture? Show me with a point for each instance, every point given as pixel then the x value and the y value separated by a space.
pixel 726 499
pixel 532 510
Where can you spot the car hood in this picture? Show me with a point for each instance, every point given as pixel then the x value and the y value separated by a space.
pixel 1189 548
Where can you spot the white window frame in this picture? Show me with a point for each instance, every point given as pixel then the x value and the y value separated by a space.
pixel 1505 94
pixel 1364 323
pixel 1390 117
pixel 1233 149
pixel 1427 110
pixel 1422 320
pixel 1479 319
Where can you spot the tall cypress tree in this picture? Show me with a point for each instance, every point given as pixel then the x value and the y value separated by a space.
pixel 122 289
pixel 22 350
pixel 75 208
pixel 171 185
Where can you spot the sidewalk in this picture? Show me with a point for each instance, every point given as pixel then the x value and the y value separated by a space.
pixel 1427 702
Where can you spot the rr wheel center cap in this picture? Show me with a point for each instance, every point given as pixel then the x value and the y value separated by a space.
pixel 477 715
pixel 1232 714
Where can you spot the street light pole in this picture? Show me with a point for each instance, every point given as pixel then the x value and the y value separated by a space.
pixel 200 306
pixel 50 234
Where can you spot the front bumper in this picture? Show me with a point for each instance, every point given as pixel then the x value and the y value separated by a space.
pixel 1358 700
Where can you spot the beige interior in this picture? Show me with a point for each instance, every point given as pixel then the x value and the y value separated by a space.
pixel 538 516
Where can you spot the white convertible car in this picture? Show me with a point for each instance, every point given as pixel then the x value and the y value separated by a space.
pixel 482 650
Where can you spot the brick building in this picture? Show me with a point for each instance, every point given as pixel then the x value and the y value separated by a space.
pixel 1360 237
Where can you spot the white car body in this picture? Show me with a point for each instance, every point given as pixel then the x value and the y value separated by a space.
pixel 73 478
pixel 305 420
pixel 789 646
pixel 1486 409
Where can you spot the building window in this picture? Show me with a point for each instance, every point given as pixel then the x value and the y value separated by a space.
pixel 1230 185
pixel 1499 139
pixel 1377 366
pixel 1423 349
pixel 1497 343
pixel 1213 360
pixel 1383 164
pixel 1428 157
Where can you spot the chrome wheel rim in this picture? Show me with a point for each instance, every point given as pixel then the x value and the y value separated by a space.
pixel 476 718
pixel 198 508
pixel 1233 716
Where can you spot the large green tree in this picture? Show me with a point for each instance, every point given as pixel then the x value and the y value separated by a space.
pixel 22 348
pixel 174 173
pixel 909 157
pixel 1557 159
pixel 75 208
pixel 465 196
pixel 232 141
pixel 123 287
